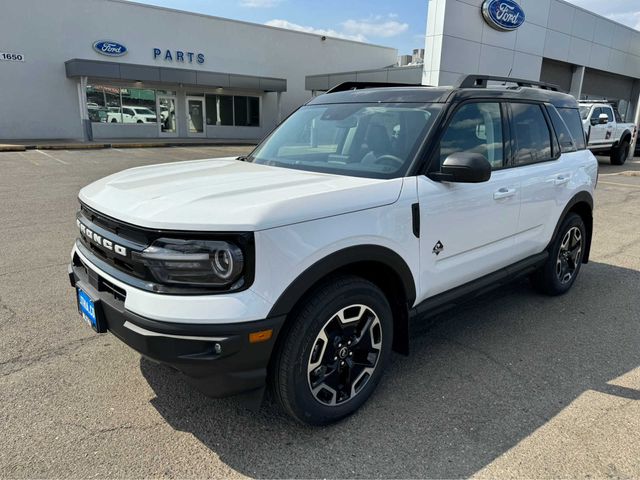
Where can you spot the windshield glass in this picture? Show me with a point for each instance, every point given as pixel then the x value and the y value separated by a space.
pixel 365 140
pixel 584 111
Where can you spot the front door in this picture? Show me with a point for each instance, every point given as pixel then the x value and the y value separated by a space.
pixel 196 117
pixel 166 108
pixel 467 229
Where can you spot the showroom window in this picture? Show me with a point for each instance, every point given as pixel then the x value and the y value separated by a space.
pixel 231 110
pixel 107 104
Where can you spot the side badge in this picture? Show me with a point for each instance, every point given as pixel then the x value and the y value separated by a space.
pixel 438 248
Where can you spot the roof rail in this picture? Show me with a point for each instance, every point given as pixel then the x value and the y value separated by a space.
pixel 481 81
pixel 345 86
pixel 594 100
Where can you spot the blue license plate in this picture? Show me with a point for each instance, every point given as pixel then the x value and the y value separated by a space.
pixel 87 309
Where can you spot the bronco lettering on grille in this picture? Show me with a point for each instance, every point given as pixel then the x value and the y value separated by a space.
pixel 98 239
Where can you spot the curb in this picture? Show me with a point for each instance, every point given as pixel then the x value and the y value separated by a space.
pixel 95 146
pixel 12 148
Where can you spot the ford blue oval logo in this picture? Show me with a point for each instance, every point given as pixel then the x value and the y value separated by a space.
pixel 505 15
pixel 111 49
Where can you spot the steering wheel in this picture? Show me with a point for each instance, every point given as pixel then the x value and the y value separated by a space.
pixel 389 160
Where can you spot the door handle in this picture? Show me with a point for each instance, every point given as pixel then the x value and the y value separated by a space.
pixel 561 179
pixel 504 192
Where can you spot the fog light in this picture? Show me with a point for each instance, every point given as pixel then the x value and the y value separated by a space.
pixel 217 348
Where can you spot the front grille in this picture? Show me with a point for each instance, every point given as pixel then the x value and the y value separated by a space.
pixel 130 270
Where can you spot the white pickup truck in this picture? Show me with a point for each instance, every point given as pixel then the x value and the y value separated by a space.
pixel 606 132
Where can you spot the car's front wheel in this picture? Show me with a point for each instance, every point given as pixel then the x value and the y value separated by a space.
pixel 333 356
pixel 561 269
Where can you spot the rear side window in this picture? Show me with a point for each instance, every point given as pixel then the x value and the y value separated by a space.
pixel 531 132
pixel 571 117
pixel 476 128
pixel 562 131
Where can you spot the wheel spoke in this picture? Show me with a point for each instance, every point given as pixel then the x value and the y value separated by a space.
pixel 569 254
pixel 344 354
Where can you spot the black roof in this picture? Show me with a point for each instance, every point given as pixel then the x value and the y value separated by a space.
pixel 372 93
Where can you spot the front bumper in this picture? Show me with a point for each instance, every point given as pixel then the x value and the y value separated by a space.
pixel 217 358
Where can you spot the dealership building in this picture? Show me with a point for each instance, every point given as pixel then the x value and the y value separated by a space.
pixel 552 41
pixel 113 69
pixel 110 69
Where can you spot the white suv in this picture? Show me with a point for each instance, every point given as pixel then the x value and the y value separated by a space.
pixel 300 266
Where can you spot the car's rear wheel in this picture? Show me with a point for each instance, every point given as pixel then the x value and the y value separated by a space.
pixel 620 153
pixel 560 270
pixel 333 356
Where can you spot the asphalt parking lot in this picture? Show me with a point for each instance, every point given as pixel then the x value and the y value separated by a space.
pixel 514 385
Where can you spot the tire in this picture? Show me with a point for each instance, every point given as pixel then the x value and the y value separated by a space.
pixel 620 153
pixel 561 269
pixel 113 120
pixel 328 335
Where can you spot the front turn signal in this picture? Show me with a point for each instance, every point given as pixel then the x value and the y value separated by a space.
pixel 261 336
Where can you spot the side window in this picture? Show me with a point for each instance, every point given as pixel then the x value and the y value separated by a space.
pixel 616 113
pixel 594 115
pixel 477 128
pixel 608 112
pixel 531 132
pixel 571 117
pixel 562 131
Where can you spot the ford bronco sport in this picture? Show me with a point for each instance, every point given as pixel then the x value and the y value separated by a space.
pixel 300 265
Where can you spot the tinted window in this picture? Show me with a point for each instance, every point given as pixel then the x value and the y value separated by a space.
pixel 477 128
pixel 562 131
pixel 366 140
pixel 608 112
pixel 531 132
pixel 595 114
pixel 571 118
pixel 616 113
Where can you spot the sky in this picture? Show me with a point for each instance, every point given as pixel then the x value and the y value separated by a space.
pixel 400 24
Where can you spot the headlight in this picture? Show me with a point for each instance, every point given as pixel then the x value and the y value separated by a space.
pixel 204 263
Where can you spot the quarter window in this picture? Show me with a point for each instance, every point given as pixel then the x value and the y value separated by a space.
pixel 531 132
pixel 567 143
pixel 571 118
pixel 476 128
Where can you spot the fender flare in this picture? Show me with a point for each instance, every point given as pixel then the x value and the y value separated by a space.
pixel 624 134
pixel 580 197
pixel 340 259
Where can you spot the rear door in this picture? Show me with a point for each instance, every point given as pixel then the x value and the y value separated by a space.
pixel 544 161
pixel 467 229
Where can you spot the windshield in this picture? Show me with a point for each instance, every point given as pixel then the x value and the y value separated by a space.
pixel 364 140
pixel 584 111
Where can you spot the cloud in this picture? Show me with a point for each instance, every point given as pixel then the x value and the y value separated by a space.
pixel 620 11
pixel 380 26
pixel 375 27
pixel 319 31
pixel 259 3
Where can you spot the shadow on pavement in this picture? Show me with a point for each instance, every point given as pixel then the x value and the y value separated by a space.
pixel 479 379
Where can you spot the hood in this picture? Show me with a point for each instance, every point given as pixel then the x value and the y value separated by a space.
pixel 229 195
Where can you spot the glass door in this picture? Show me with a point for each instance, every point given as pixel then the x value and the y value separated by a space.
pixel 166 109
pixel 196 117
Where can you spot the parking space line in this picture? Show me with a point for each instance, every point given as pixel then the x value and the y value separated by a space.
pixel 51 156
pixel 620 184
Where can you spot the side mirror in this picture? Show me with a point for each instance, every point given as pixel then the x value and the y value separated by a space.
pixel 603 118
pixel 463 167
